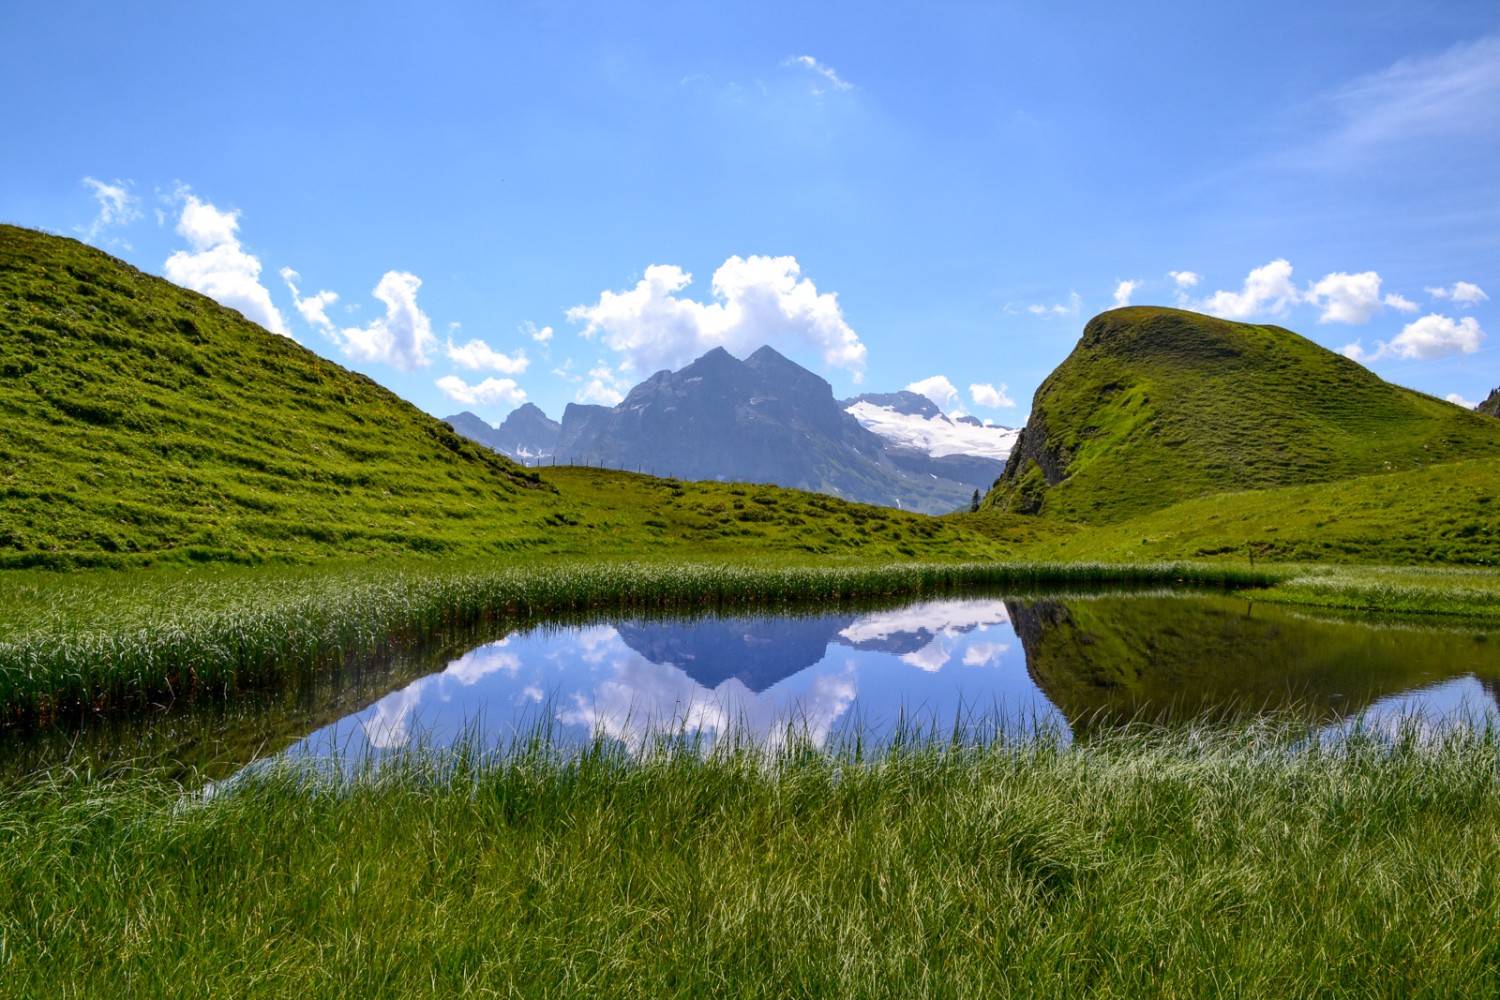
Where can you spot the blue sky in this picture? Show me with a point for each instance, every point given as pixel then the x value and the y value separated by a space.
pixel 480 203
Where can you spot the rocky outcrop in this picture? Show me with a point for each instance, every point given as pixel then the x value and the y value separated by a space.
pixel 765 419
pixel 1490 406
pixel 527 434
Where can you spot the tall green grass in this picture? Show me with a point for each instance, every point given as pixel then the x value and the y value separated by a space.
pixel 115 642
pixel 1143 863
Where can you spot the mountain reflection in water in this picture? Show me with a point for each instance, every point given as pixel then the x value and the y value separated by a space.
pixel 1066 665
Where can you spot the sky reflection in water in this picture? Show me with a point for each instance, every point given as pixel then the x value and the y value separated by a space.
pixel 1059 665
pixel 761 678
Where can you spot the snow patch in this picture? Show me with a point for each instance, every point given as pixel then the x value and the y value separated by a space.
pixel 937 436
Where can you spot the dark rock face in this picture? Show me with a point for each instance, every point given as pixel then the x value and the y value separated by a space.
pixel 762 420
pixel 527 434
pixel 1490 406
pixel 1033 446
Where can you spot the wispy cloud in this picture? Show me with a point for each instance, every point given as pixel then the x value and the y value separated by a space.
pixel 1461 292
pixel 117 207
pixel 826 72
pixel 1072 307
pixel 1456 92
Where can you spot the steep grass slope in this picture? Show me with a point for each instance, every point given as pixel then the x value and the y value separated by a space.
pixel 1156 406
pixel 136 416
pixel 1439 515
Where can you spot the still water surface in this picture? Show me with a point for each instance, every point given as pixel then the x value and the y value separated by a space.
pixel 1063 665
pixel 1068 665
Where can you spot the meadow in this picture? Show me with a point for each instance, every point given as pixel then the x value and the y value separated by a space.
pixel 1142 862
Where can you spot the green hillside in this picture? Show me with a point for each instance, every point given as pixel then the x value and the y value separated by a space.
pixel 143 423
pixel 1157 406
pixel 136 416
pixel 1437 515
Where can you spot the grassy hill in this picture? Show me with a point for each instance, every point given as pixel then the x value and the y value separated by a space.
pixel 144 423
pixel 138 417
pixel 1157 406
pixel 1437 515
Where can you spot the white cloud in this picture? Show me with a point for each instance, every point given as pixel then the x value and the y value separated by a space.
pixel 476 354
pixel 944 394
pixel 826 72
pixel 605 386
pixel 1355 352
pixel 985 394
pixel 540 336
pixel 1185 279
pixel 984 654
pixel 1468 294
pixel 1435 336
pixel 117 206
pixel 218 266
pixel 1071 308
pixel 1462 292
pixel 402 337
pixel 760 300
pixel 1458 400
pixel 1352 298
pixel 1267 289
pixel 314 308
pixel 1123 291
pixel 1431 337
pixel 487 393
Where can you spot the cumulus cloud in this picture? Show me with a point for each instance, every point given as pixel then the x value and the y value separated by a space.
pixel 1352 298
pixel 1461 292
pixel 1267 289
pixel 403 337
pixel 1458 400
pixel 1429 338
pixel 218 265
pixel 604 386
pixel 487 393
pixel 540 336
pixel 759 300
pixel 944 394
pixel 117 207
pixel 1123 291
pixel 1185 279
pixel 1436 336
pixel 476 355
pixel 826 72
pixel 985 394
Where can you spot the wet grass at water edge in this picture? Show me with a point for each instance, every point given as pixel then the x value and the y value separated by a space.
pixel 112 642
pixel 1193 862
